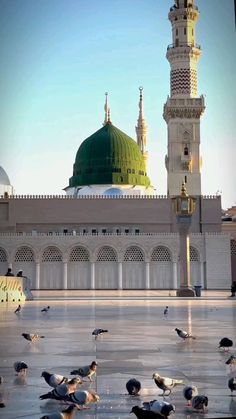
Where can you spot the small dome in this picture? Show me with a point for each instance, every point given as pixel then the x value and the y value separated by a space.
pixel 109 156
pixel 4 179
pixel 113 191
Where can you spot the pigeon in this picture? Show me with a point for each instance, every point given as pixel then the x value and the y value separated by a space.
pixel 87 371
pixel 189 392
pixel 98 332
pixel 45 309
pixel 18 309
pixel 200 402
pixel 20 367
pixel 232 385
pixel 165 383
pixel 225 343
pixel 166 311
pixel 54 380
pixel 65 414
pixel 61 391
pixel 231 361
pixel 146 414
pixel 162 407
pixel 82 397
pixel 32 337
pixel 133 386
pixel 184 335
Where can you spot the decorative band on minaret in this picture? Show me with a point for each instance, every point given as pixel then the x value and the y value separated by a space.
pixel 141 128
pixel 183 108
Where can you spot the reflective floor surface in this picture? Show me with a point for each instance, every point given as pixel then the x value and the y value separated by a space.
pixel 141 341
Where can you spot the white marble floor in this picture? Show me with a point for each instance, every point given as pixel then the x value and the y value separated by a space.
pixel 140 341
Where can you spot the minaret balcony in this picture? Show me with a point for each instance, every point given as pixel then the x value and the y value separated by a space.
pixel 184 44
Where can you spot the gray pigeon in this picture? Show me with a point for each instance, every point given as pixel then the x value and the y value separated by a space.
pixel 18 309
pixel 146 414
pixel 61 391
pixel 82 397
pixel 165 383
pixel 98 332
pixel 162 407
pixel 86 371
pixel 45 309
pixel 184 335
pixel 65 414
pixel 54 380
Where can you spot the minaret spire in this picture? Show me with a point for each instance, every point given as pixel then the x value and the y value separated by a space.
pixel 183 109
pixel 141 128
pixel 107 119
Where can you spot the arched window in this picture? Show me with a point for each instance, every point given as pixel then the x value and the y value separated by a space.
pixel 3 255
pixel 52 254
pixel 106 254
pixel 134 254
pixel 24 254
pixel 161 254
pixel 79 254
pixel 186 151
pixel 194 254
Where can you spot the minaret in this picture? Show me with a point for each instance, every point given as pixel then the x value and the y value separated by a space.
pixel 141 128
pixel 183 108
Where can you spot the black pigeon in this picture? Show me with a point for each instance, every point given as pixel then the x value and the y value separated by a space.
pixel 98 332
pixel 133 386
pixel 54 380
pixel 20 367
pixel 225 343
pixel 65 414
pixel 32 337
pixel 189 392
pixel 184 335
pixel 162 407
pixel 200 402
pixel 232 385
pixel 166 311
pixel 18 309
pixel 86 371
pixel 146 414
pixel 45 309
pixel 231 361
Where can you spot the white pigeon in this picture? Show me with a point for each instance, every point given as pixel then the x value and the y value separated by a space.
pixel 166 383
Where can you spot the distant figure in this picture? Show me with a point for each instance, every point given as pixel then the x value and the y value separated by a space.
pixel 166 311
pixel 18 309
pixel 9 272
pixel 20 273
pixel 233 289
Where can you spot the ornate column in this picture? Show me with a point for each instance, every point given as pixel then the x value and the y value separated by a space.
pixel 175 275
pixel 120 276
pixel 37 275
pixel 147 275
pixel 92 275
pixel 65 274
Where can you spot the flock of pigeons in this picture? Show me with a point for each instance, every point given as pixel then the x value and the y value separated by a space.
pixel 67 391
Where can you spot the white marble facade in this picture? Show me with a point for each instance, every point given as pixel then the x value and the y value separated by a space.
pixel 124 261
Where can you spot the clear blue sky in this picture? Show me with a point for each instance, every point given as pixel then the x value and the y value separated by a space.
pixel 59 57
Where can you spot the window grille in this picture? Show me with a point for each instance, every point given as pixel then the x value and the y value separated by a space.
pixel 3 255
pixel 52 254
pixel 24 254
pixel 161 254
pixel 233 247
pixel 106 254
pixel 133 254
pixel 194 255
pixel 79 254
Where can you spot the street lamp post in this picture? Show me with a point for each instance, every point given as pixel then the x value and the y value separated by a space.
pixel 184 207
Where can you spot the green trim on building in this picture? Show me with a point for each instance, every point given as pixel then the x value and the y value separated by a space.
pixel 109 156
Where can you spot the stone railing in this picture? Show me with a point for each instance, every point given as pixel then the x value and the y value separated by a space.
pixel 141 197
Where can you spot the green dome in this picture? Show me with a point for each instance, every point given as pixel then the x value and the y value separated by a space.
pixel 109 156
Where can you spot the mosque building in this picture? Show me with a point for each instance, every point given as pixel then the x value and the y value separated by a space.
pixel 109 230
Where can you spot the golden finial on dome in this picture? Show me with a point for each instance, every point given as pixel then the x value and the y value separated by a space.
pixel 107 119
